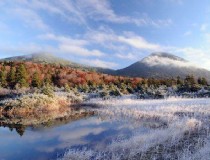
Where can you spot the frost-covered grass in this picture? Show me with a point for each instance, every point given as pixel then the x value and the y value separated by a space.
pixel 35 108
pixel 177 129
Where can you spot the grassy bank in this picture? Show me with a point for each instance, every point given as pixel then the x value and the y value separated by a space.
pixel 36 107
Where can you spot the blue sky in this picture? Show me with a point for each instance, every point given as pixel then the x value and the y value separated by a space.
pixel 106 33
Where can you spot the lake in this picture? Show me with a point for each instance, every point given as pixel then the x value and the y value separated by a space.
pixel 119 129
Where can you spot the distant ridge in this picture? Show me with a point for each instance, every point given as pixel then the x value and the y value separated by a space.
pixel 41 58
pixel 163 65
pixel 48 58
pixel 159 65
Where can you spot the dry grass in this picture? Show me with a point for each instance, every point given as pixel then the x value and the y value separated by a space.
pixel 185 135
pixel 35 108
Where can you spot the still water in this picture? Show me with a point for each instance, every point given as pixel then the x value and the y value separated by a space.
pixel 51 141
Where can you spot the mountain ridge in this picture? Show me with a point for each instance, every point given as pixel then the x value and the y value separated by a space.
pixel 156 65
pixel 163 65
pixel 49 58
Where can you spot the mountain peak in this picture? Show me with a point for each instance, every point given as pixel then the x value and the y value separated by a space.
pixel 163 65
pixel 165 59
pixel 166 55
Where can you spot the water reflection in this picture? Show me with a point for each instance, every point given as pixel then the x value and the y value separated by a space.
pixel 48 141
pixel 18 128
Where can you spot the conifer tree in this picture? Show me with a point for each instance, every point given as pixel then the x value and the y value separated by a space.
pixel 67 88
pixel 11 77
pixel 48 90
pixel 48 79
pixel 36 82
pixel 200 80
pixel 179 81
pixel 204 81
pixel 21 76
pixel 3 77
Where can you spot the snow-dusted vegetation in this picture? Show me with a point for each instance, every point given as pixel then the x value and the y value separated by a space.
pixel 161 129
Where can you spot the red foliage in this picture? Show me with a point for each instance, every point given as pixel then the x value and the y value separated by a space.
pixel 63 75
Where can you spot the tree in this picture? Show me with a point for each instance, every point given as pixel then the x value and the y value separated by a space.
pixel 36 81
pixel 3 77
pixel 190 80
pixel 202 81
pixel 48 79
pixel 151 82
pixel 179 81
pixel 11 77
pixel 190 84
pixel 67 88
pixel 48 90
pixel 21 76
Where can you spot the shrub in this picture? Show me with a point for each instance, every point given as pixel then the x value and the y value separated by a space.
pixel 48 90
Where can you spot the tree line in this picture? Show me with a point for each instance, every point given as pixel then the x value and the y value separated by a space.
pixel 28 74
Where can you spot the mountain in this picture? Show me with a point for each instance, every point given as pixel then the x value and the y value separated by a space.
pixel 157 65
pixel 48 58
pixel 42 58
pixel 163 65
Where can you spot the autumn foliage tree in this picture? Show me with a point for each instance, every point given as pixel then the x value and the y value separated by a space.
pixel 29 74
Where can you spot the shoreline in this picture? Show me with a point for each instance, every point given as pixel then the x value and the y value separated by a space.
pixel 33 109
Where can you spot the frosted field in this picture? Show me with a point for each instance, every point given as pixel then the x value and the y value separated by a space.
pixel 161 129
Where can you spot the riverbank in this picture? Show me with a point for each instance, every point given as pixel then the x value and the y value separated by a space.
pixel 37 108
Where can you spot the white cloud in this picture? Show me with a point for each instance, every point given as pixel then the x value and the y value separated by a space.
pixel 188 33
pixel 204 27
pixel 139 42
pixel 99 63
pixel 200 57
pixel 72 46
pixel 64 39
pixel 127 39
pixel 26 49
pixel 30 18
pixel 101 10
pixel 81 11
pixel 165 61
pixel 78 50
pixel 129 56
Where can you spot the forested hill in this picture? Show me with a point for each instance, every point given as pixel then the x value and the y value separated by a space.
pixel 32 74
pixel 15 75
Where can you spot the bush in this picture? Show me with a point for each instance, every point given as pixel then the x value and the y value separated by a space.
pixel 48 90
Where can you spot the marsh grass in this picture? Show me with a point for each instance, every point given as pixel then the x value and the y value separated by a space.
pixel 35 108
pixel 179 129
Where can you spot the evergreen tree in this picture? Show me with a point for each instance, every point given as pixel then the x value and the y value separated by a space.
pixel 190 80
pixel 56 78
pixel 3 77
pixel 200 80
pixel 11 77
pixel 190 84
pixel 204 81
pixel 67 88
pixel 179 81
pixel 21 76
pixel 36 82
pixel 48 79
pixel 48 90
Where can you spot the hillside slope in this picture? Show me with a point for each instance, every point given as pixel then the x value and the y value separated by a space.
pixel 163 65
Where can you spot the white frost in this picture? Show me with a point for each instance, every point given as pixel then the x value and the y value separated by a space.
pixel 168 121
